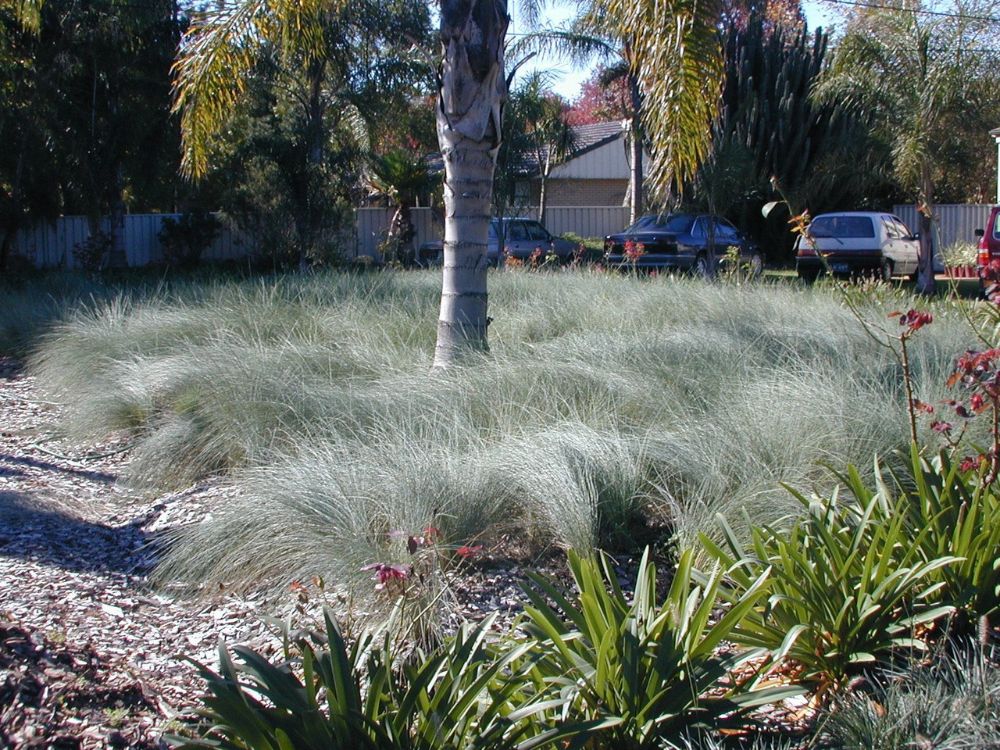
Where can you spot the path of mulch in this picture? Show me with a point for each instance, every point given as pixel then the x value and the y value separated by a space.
pixel 90 654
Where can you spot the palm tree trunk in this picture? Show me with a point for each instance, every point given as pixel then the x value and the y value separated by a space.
pixel 471 93
pixel 635 144
pixel 543 185
pixel 925 255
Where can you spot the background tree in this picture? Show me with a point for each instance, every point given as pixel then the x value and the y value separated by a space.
pixel 546 136
pixel 329 64
pixel 915 73
pixel 772 127
pixel 603 97
pixel 29 173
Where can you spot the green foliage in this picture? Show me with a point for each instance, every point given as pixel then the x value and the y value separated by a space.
pixel 952 701
pixel 365 696
pixel 639 670
pixel 847 587
pixel 183 240
pixel 949 512
pixel 91 254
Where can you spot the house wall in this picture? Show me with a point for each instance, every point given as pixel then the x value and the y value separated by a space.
pixel 582 192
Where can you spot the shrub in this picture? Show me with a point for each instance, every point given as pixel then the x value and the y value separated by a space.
pixel 328 695
pixel 92 253
pixel 638 673
pixel 948 511
pixel 184 240
pixel 847 587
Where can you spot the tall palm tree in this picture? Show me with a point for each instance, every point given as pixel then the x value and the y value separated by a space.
pixel 912 73
pixel 670 56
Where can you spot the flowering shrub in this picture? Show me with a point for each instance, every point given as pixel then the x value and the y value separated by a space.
pixel 633 251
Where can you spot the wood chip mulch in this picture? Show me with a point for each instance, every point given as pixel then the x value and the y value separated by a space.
pixel 91 654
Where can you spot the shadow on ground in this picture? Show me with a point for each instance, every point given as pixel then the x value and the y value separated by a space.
pixel 32 531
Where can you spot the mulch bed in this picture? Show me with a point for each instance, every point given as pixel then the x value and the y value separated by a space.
pixel 90 654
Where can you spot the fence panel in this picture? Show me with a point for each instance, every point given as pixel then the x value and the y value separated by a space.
pixel 51 245
pixel 956 222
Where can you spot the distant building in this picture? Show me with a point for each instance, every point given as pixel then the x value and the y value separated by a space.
pixel 597 174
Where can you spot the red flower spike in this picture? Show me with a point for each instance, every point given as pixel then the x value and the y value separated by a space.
pixel 466 552
pixel 977 402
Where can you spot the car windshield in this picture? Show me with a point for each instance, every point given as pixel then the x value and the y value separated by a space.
pixel 536 231
pixel 842 227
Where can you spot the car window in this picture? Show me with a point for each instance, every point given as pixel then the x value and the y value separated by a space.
pixel 891 229
pixel 904 231
pixel 726 232
pixel 996 226
pixel 700 228
pixel 536 231
pixel 493 230
pixel 516 231
pixel 842 227
pixel 675 223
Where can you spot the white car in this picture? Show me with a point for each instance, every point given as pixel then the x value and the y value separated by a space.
pixel 855 243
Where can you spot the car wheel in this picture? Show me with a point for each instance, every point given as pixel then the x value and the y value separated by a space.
pixel 809 277
pixel 886 270
pixel 700 266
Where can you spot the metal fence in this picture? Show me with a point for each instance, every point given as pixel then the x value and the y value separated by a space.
pixel 51 245
pixel 955 222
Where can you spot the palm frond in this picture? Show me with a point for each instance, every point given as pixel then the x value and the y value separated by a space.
pixel 210 74
pixel 677 53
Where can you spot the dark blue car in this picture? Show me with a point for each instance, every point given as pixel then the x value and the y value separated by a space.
pixel 679 242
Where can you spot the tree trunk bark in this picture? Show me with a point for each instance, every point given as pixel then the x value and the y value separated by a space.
pixel 542 186
pixel 312 220
pixel 925 256
pixel 635 145
pixel 117 257
pixel 471 93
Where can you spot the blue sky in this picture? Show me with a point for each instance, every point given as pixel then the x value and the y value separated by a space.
pixel 566 80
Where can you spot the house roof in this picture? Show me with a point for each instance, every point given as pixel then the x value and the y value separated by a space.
pixel 586 138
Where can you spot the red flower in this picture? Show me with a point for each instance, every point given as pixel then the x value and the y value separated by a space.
pixel 977 402
pixel 913 319
pixel 386 573
pixel 940 426
pixel 919 405
pixel 466 552
pixel 971 463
